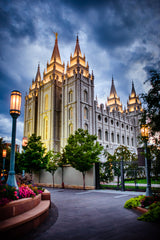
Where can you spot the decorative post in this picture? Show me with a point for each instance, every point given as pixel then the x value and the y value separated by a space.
pixel 144 133
pixel 15 106
pixel 122 176
pixel 4 153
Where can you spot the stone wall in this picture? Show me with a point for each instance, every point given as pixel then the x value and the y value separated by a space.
pixel 72 178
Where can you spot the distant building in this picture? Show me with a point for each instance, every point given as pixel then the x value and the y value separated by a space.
pixel 62 101
pixel 8 145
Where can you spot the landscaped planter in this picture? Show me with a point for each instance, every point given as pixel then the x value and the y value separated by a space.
pixel 46 195
pixel 143 210
pixel 17 207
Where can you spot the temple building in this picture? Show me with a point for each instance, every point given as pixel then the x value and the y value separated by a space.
pixel 63 100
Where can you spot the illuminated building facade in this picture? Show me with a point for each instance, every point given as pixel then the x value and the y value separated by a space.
pixel 64 101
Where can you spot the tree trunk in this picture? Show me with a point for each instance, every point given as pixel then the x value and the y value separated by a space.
pixel 118 181
pixel 39 175
pixel 62 178
pixel 83 180
pixel 53 180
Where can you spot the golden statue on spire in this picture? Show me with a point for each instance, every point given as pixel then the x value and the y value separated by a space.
pixel 56 35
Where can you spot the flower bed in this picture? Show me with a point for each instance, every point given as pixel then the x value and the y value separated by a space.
pixel 8 193
pixel 150 206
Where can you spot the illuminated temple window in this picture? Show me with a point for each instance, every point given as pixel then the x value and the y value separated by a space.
pixel 85 113
pixel 85 96
pixel 29 113
pixel 70 96
pixel 29 127
pixel 45 128
pixel 70 113
pixel 46 102
pixel 70 129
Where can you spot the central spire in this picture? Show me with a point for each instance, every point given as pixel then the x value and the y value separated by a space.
pixel 77 51
pixel 113 100
pixel 113 89
pixel 56 55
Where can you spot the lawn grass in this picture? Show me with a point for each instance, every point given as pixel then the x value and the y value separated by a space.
pixel 129 188
pixel 143 181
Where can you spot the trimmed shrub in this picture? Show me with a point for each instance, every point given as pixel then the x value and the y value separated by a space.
pixel 153 213
pixel 133 202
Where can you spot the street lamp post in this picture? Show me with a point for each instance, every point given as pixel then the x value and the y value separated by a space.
pixel 122 175
pixel 144 133
pixel 15 107
pixel 4 153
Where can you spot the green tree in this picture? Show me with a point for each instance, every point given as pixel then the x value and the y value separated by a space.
pixel 53 163
pixel 106 168
pixel 34 157
pixel 154 155
pixel 151 101
pixel 61 163
pixel 121 153
pixel 82 151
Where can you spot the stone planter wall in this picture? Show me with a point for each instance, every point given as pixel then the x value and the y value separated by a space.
pixel 17 207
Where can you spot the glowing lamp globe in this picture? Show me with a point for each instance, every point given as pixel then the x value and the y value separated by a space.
pixel 144 131
pixel 4 153
pixel 15 103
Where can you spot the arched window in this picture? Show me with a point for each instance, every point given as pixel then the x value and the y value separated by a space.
pixel 29 113
pixel 106 136
pixel 112 137
pixel 70 113
pixel 46 102
pixel 85 113
pixel 29 127
pixel 86 126
pixel 46 128
pixel 99 118
pixel 85 96
pixel 117 138
pixel 70 96
pixel 123 142
pixel 132 142
pixel 99 134
pixel 127 140
pixel 70 129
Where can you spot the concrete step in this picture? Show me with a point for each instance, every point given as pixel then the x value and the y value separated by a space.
pixel 26 221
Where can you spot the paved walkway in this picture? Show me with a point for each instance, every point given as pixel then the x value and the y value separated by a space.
pixel 93 215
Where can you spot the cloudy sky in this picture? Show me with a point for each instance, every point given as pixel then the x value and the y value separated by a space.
pixel 119 38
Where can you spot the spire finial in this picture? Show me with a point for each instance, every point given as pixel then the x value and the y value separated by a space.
pixel 56 35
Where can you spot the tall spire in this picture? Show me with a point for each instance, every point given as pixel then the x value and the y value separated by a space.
pixel 113 89
pixel 133 104
pixel 113 100
pixel 77 50
pixel 56 55
pixel 133 92
pixel 38 75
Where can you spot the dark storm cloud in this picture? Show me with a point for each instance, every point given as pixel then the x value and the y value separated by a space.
pixel 119 37
pixel 119 22
pixel 15 22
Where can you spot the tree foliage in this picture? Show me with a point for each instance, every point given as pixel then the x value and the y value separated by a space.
pixel 151 102
pixel 82 151
pixel 53 162
pixel 34 157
